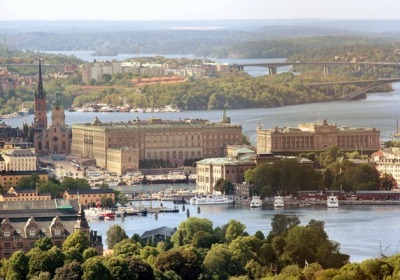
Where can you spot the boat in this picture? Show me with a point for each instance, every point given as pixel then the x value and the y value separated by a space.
pixel 332 201
pixel 211 199
pixel 95 213
pixel 169 210
pixel 255 202
pixel 179 201
pixel 133 211
pixel 279 202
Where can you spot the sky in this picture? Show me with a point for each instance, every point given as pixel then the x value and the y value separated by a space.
pixel 197 9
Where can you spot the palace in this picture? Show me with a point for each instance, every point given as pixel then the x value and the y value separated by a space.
pixel 174 141
pixel 316 137
pixel 55 139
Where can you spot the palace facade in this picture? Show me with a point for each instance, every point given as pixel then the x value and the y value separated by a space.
pixel 316 137
pixel 173 141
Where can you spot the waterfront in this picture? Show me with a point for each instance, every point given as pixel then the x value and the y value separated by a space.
pixel 379 110
pixel 360 230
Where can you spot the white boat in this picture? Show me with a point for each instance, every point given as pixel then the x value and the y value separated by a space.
pixel 211 199
pixel 332 201
pixel 94 213
pixel 279 201
pixel 255 202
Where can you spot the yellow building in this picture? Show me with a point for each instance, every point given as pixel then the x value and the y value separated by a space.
pixel 89 197
pixel 317 137
pixel 24 195
pixel 173 141
pixel 122 160
pixel 11 178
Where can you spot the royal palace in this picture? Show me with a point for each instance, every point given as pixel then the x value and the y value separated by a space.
pixel 173 141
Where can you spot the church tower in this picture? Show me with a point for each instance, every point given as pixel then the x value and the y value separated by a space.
pixel 40 120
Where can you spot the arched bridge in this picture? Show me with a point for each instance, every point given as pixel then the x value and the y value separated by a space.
pixel 367 85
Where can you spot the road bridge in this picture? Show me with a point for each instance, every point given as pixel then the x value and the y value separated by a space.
pixel 327 65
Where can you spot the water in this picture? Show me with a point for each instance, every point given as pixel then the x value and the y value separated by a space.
pixel 379 110
pixel 360 230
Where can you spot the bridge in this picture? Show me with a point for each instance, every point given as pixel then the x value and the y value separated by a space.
pixel 368 85
pixel 273 66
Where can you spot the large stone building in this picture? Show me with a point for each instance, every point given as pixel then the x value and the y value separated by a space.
pixel 22 223
pixel 317 137
pixel 55 139
pixel 174 141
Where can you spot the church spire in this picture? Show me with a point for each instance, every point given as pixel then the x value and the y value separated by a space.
pixel 40 92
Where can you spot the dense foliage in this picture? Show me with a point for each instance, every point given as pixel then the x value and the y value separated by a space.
pixel 338 172
pixel 197 251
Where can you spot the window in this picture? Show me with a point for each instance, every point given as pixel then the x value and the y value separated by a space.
pixel 57 232
pixel 32 233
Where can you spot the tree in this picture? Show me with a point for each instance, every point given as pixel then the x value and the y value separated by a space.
pixel 281 224
pixel 78 240
pixel 115 234
pixel 127 247
pixel 44 261
pixel 141 269
pixel 17 266
pixel 119 268
pixel 93 268
pixel 234 229
pixel 218 262
pixel 70 271
pixel 44 244
pixel 188 229
pixel 184 262
pixel 224 186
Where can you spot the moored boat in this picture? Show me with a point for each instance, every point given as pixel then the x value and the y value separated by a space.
pixel 279 202
pixel 211 199
pixel 255 202
pixel 332 201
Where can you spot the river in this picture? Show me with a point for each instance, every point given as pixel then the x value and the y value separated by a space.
pixel 361 230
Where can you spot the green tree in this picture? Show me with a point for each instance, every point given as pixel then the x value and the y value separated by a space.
pixel 115 234
pixel 17 266
pixel 70 271
pixel 184 262
pixel 281 224
pixel 77 240
pixel 188 229
pixel 234 229
pixel 127 247
pixel 94 268
pixel 119 268
pixel 44 244
pixel 218 262
pixel 141 269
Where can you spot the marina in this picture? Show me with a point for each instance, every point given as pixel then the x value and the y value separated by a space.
pixel 358 228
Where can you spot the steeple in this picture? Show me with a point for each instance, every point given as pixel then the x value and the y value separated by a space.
pixel 40 120
pixel 40 92
pixel 81 223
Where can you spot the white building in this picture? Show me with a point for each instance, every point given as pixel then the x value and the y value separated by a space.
pixel 18 160
pixel 387 161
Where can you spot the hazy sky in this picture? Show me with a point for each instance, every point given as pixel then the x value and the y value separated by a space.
pixel 197 9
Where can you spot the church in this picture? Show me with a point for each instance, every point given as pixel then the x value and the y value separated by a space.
pixel 53 139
